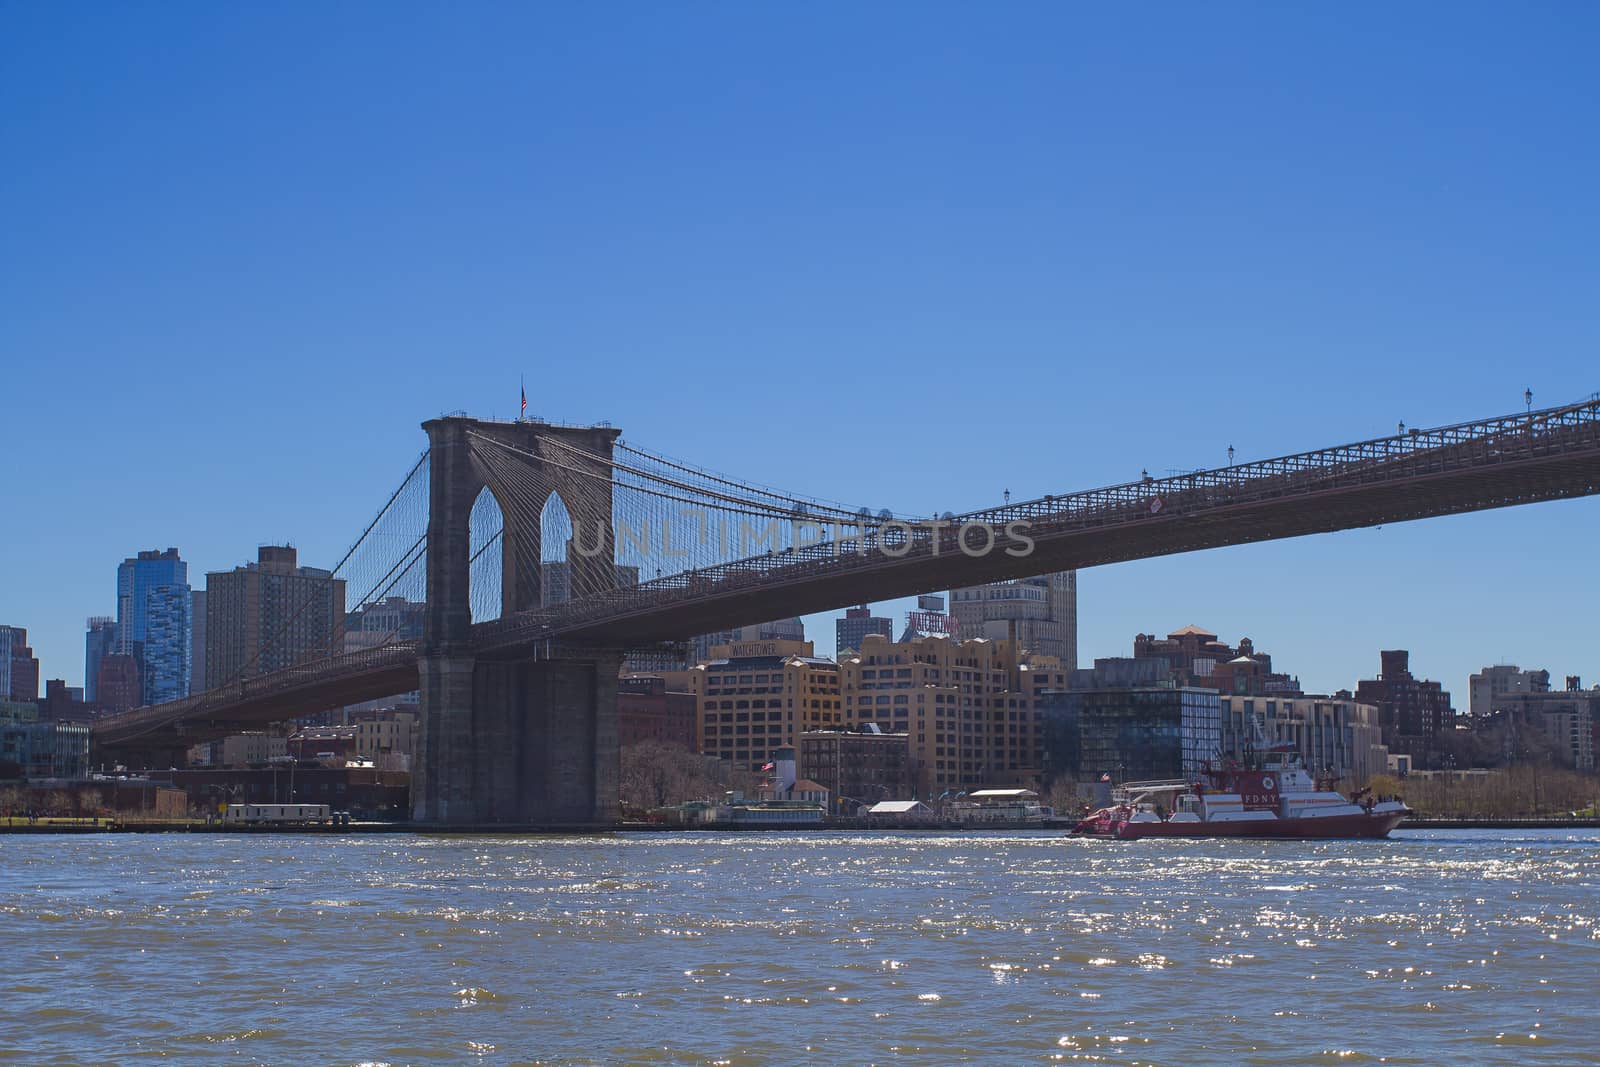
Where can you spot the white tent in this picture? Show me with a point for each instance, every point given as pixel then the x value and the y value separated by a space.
pixel 900 807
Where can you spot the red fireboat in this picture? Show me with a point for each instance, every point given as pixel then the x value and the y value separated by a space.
pixel 1278 798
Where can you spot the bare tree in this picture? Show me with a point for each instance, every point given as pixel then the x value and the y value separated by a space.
pixel 57 802
pixel 654 775
pixel 1063 796
pixel 87 802
pixel 1519 791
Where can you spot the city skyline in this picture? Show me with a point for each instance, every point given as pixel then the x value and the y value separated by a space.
pixel 1083 268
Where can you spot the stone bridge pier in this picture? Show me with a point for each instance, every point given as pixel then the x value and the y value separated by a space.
pixel 530 741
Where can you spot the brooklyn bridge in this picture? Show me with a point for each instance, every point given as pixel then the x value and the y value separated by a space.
pixel 518 684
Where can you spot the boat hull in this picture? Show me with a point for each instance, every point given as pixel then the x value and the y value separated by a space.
pixel 1374 824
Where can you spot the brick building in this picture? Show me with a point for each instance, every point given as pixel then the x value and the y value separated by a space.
pixel 861 767
pixel 1412 712
pixel 270 614
pixel 19 670
pixel 970 708
pixel 1194 656
pixel 64 703
pixel 329 744
pixel 117 688
pixel 648 711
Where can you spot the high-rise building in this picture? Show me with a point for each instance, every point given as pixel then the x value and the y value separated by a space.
pixel 1039 613
pixel 1412 713
pixel 197 642
pixel 98 643
pixel 117 683
pixel 857 623
pixel 970 710
pixel 19 670
pixel 165 672
pixel 754 696
pixel 153 622
pixel 270 614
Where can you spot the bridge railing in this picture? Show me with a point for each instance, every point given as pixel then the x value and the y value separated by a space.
pixel 1499 439
pixel 1411 454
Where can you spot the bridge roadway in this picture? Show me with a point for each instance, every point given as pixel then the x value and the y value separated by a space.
pixel 1521 459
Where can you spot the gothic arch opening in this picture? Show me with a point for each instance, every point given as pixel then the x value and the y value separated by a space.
pixel 555 552
pixel 485 525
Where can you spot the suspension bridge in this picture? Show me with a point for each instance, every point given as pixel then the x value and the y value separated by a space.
pixel 545 552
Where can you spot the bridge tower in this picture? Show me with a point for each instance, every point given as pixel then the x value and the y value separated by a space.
pixel 530 740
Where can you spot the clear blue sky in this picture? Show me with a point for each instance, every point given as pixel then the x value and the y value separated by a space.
pixel 908 253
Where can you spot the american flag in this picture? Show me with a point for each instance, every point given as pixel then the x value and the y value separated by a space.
pixel 524 401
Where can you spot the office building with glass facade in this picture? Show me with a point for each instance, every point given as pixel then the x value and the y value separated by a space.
pixel 98 643
pixel 168 648
pixel 153 620
pixel 1130 733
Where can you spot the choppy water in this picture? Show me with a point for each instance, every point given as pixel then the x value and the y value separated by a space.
pixel 1432 947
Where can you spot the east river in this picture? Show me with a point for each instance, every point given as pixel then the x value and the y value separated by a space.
pixel 1432 947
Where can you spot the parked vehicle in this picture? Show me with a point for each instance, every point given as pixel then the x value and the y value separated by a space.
pixel 276 813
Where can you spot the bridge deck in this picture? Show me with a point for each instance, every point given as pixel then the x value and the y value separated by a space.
pixel 1547 455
